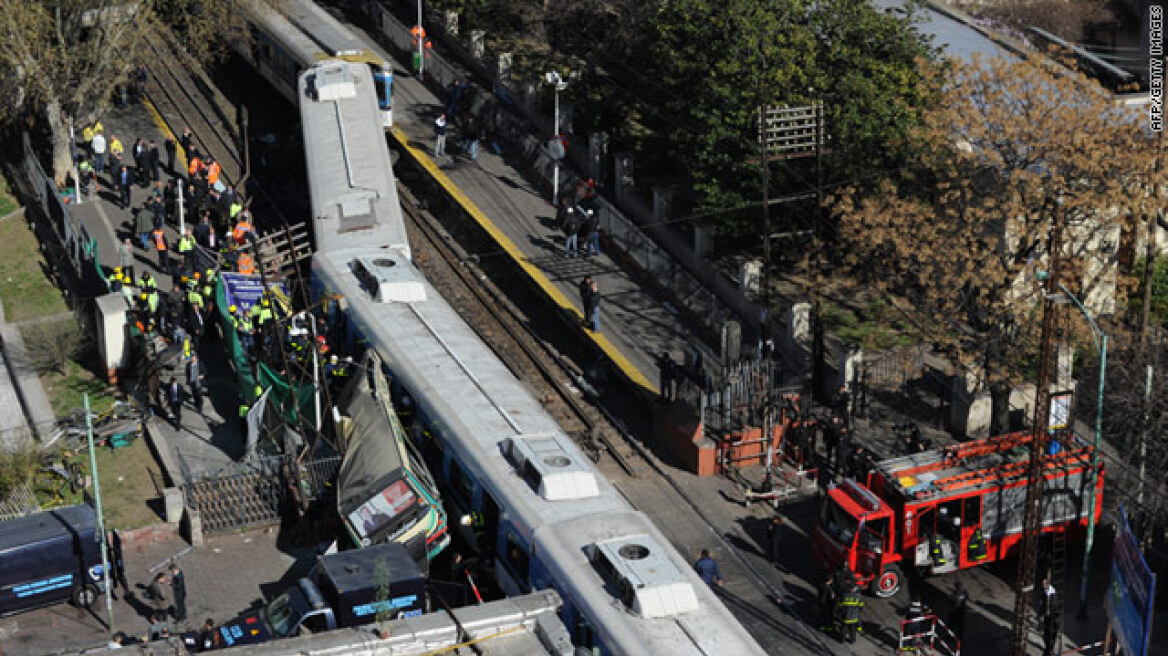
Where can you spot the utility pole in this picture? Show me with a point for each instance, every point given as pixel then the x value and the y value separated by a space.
pixel 105 565
pixel 764 166
pixel 421 46
pixel 1032 526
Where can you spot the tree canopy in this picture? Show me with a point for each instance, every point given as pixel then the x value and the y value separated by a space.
pixel 961 232
pixel 723 60
pixel 63 58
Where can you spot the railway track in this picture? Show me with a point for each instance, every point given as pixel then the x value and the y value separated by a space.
pixel 505 328
pixel 502 327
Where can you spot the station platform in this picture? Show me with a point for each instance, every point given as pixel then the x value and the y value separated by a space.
pixel 636 326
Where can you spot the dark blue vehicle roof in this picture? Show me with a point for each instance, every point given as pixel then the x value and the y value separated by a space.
pixel 357 570
pixel 42 526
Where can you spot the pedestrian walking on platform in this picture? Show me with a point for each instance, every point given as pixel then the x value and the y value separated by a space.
pixel 571 228
pixel 707 569
pixel 154 161
pixel 178 583
pixel 124 180
pixel 775 539
pixel 585 289
pixel 195 378
pixel 174 400
pixel 99 152
pixel 140 76
pixel 591 233
pixel 440 135
pixel 594 310
pixel 171 152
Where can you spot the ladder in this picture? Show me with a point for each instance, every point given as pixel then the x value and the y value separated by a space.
pixel 280 251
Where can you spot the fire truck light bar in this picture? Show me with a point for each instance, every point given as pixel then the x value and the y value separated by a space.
pixel 861 494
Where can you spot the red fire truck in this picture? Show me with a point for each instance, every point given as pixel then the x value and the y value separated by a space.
pixel 949 508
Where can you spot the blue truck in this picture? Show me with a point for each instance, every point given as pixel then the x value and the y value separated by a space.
pixel 50 557
pixel 349 588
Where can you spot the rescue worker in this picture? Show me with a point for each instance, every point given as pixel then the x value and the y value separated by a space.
pixel 186 246
pixel 195 166
pixel 195 299
pixel 244 327
pixel 242 228
pixel 848 612
pixel 245 263
pixel 159 238
pixel 116 151
pixel 209 288
pixel 977 546
pixel 114 281
pixel 213 171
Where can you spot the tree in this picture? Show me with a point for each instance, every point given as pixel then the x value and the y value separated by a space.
pixel 65 57
pixel 722 60
pixel 960 233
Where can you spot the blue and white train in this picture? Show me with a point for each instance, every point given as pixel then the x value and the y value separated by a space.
pixel 542 514
pixel 299 34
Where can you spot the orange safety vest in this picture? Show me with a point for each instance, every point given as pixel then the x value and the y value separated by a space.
pixel 196 165
pixel 213 173
pixel 159 240
pixel 246 264
pixel 240 232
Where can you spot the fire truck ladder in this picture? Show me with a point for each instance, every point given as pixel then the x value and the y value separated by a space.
pixel 1058 507
pixel 968 479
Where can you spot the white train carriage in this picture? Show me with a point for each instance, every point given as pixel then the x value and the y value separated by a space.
pixel 539 506
pixel 339 42
pixel 531 502
pixel 278 50
pixel 300 34
pixel 350 177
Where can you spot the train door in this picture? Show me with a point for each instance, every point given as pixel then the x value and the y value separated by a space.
pixel 971 553
pixel 514 565
pixel 490 510
pixel 383 84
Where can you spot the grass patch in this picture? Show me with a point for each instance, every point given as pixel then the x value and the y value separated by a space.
pixel 24 289
pixel 7 200
pixel 129 478
pixel 67 391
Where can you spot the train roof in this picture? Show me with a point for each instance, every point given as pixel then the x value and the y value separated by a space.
pixel 350 178
pixel 991 462
pixel 648 599
pixel 275 26
pixel 334 38
pixel 500 431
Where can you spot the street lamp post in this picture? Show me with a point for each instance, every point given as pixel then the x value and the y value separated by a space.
pixel 1101 345
pixel 421 47
pixel 559 84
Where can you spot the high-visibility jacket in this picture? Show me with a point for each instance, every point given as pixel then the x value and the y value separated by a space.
pixel 116 148
pixel 195 166
pixel 159 239
pixel 239 233
pixel 152 302
pixel 194 298
pixel 114 282
pixel 186 244
pixel 236 208
pixel 261 314
pixel 186 348
pixel 850 607
pixel 977 546
pixel 213 172
pixel 246 264
pixel 147 284
pixel 244 325
pixel 87 134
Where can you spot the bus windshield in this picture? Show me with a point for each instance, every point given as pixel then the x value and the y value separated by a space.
pixel 837 523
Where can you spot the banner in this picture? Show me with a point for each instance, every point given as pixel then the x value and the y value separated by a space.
pixel 255 423
pixel 1132 592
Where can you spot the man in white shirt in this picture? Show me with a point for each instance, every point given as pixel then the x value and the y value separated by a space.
pixel 116 641
pixel 98 145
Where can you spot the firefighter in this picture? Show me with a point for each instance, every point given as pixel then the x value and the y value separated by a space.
pixel 977 546
pixel 848 612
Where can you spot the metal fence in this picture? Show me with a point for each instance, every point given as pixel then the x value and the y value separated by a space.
pixel 20 502
pixel 736 396
pixel 253 494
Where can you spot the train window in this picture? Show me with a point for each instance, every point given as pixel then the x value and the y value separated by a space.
pixel 517 559
pixel 460 482
pixel 584 634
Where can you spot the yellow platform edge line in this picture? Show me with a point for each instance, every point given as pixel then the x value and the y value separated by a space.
pixel 166 132
pixel 619 359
